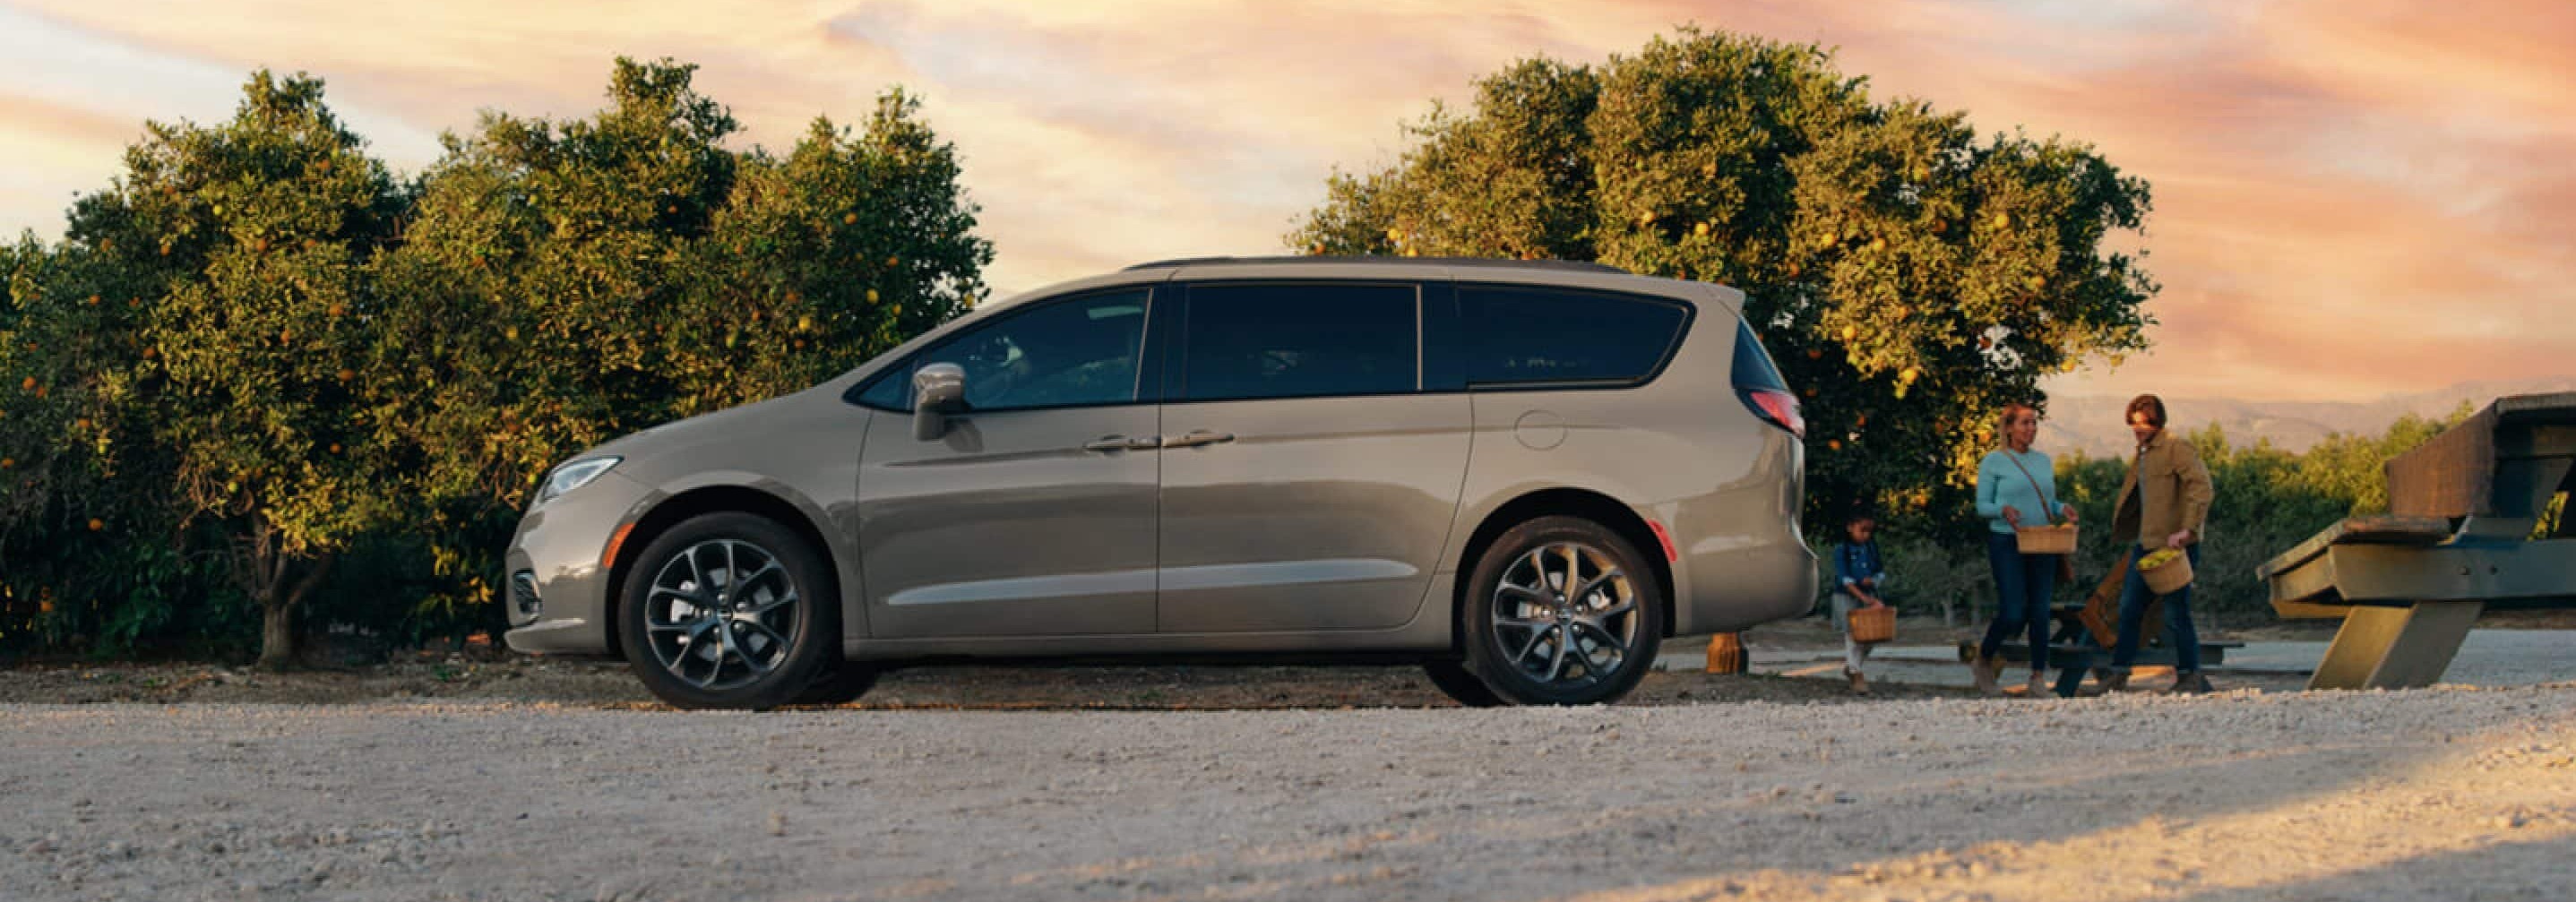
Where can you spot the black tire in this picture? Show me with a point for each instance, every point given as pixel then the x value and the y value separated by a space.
pixel 840 683
pixel 1453 680
pixel 761 659
pixel 1617 617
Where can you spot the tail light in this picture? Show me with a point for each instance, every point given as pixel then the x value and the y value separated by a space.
pixel 1759 384
pixel 1777 407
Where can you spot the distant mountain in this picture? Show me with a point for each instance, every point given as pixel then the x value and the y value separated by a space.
pixel 2093 424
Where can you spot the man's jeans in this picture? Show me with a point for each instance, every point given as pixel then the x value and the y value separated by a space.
pixel 2134 597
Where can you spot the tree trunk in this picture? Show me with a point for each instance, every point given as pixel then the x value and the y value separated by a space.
pixel 277 626
pixel 276 635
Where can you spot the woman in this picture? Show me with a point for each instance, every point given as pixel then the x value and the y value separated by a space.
pixel 2162 505
pixel 2017 487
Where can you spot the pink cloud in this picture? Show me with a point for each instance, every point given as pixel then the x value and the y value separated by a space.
pixel 2351 198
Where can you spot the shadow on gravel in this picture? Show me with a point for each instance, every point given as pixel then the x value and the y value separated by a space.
pixel 2432 877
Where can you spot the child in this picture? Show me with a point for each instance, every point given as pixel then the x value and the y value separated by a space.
pixel 1859 575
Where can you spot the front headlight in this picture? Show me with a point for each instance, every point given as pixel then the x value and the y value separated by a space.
pixel 574 475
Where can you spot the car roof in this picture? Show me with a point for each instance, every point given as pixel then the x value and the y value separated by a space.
pixel 1451 262
pixel 1556 273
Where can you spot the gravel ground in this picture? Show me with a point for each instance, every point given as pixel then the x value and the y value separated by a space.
pixel 2449 793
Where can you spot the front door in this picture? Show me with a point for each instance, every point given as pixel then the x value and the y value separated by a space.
pixel 1035 514
pixel 1308 483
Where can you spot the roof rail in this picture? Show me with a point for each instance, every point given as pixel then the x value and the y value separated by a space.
pixel 1576 265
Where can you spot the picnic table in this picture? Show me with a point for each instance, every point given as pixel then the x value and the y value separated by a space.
pixel 2461 536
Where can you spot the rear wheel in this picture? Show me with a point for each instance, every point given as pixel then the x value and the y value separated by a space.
pixel 730 610
pixel 1563 612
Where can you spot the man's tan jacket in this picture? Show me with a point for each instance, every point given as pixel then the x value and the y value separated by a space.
pixel 2167 491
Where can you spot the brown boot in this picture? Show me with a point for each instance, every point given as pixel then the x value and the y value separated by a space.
pixel 1859 684
pixel 2115 679
pixel 2039 685
pixel 1984 670
pixel 2189 682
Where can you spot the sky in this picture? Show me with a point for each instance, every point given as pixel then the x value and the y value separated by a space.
pixel 2352 198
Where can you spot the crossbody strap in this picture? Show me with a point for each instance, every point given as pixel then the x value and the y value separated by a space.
pixel 2050 504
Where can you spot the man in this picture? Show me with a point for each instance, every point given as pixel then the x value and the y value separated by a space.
pixel 2163 504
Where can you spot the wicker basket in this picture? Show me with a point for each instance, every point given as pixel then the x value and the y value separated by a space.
pixel 1726 654
pixel 1873 625
pixel 2174 576
pixel 2058 539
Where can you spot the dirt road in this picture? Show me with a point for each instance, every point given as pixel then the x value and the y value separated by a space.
pixel 2440 794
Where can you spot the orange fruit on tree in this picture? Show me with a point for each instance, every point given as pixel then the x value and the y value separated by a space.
pixel 849 219
pixel 96 524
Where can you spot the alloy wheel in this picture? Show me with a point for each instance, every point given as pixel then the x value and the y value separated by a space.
pixel 721 614
pixel 1565 615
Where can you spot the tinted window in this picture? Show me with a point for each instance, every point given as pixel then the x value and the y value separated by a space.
pixel 1297 341
pixel 1517 335
pixel 888 389
pixel 1753 365
pixel 1062 354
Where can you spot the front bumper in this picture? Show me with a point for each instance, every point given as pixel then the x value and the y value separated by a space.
pixel 559 548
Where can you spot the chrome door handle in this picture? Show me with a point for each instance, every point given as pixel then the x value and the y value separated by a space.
pixel 1107 444
pixel 1197 438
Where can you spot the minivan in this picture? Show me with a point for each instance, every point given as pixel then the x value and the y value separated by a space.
pixel 1523 476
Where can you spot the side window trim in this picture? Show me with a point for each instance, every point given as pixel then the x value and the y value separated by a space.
pixel 1148 354
pixel 1672 346
pixel 1176 363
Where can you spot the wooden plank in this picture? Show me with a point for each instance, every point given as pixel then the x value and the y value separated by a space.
pixel 2375 530
pixel 2448 475
pixel 2526 571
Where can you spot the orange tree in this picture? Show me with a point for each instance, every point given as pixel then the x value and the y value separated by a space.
pixel 564 282
pixel 257 332
pixel 1910 275
pixel 92 553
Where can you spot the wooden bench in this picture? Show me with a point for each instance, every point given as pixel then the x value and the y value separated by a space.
pixel 2459 538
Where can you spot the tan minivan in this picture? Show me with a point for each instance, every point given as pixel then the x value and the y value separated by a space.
pixel 1523 475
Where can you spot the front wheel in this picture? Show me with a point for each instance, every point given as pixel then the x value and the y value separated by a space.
pixel 730 610
pixel 1563 612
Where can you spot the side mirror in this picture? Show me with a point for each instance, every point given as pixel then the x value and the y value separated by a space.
pixel 938 389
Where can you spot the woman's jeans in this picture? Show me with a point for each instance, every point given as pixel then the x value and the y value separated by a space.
pixel 2025 583
pixel 2134 597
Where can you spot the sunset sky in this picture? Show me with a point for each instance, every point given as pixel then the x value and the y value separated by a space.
pixel 2352 198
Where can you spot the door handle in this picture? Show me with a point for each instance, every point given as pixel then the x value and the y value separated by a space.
pixel 1199 437
pixel 1107 444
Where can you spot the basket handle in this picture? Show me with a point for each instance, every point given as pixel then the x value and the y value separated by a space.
pixel 2048 505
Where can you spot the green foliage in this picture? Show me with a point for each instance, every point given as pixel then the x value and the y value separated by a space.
pixel 257 353
pixel 1910 276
